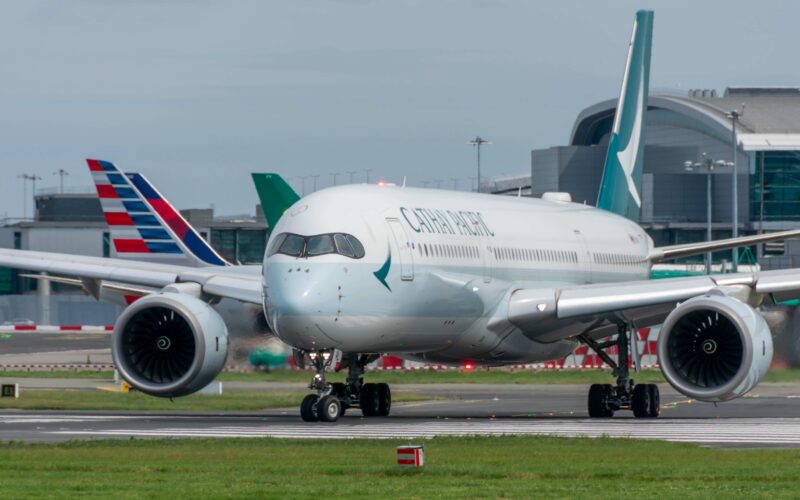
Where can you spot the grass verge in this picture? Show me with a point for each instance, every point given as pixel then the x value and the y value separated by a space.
pixel 136 401
pixel 474 467
pixel 476 376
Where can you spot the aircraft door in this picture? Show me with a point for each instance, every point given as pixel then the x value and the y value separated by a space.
pixel 487 259
pixel 584 256
pixel 404 254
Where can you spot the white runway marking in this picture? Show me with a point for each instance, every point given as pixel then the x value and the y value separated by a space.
pixel 54 419
pixel 743 431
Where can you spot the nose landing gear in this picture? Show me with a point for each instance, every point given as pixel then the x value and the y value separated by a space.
pixel 605 399
pixel 332 400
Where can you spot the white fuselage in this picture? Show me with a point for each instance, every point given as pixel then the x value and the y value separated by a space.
pixel 438 270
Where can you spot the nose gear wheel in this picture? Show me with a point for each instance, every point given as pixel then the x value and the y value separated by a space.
pixel 332 399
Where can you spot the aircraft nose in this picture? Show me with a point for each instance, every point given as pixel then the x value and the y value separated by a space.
pixel 298 299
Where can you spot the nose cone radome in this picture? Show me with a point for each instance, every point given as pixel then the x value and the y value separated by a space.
pixel 299 298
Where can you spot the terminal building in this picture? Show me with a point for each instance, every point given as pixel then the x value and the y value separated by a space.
pixel 688 127
pixel 74 223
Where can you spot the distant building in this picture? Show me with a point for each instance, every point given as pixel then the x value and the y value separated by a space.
pixel 74 223
pixel 681 127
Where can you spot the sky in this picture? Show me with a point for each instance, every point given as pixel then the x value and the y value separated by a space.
pixel 198 94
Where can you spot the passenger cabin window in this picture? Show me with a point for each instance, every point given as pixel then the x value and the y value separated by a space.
pixel 295 245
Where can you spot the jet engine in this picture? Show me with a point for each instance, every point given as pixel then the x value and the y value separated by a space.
pixel 714 348
pixel 169 344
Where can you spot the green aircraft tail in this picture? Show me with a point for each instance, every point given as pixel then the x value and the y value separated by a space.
pixel 622 175
pixel 275 194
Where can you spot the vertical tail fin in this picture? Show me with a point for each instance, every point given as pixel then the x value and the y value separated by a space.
pixel 143 224
pixel 622 174
pixel 275 194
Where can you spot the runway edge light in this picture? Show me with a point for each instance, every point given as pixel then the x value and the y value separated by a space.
pixel 411 455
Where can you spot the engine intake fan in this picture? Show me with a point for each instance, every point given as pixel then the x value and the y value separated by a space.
pixel 714 348
pixel 169 344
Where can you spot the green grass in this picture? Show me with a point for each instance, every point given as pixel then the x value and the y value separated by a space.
pixel 476 376
pixel 475 467
pixel 104 400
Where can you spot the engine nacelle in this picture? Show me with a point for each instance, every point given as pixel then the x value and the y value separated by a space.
pixel 169 344
pixel 714 348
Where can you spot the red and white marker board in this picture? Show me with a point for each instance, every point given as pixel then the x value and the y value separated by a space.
pixel 411 455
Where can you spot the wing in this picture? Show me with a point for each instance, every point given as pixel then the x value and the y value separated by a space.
pixel 644 302
pixel 241 283
pixel 674 251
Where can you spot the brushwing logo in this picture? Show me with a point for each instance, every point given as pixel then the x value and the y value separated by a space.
pixel 383 272
pixel 627 156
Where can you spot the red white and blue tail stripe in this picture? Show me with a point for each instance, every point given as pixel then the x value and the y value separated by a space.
pixel 143 224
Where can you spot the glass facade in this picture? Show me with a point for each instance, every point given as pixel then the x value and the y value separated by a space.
pixel 242 246
pixel 775 185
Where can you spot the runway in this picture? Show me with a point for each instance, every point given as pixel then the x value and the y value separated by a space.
pixel 785 432
pixel 770 416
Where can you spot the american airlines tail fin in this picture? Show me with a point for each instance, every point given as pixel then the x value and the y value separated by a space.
pixel 620 189
pixel 144 226
pixel 275 194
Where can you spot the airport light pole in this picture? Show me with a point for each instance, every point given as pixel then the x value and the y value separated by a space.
pixel 367 171
pixel 315 177
pixel 61 173
pixel 734 116
pixel 25 178
pixel 303 181
pixel 709 165
pixel 455 183
pixel 478 141
pixel 438 183
pixel 352 175
pixel 335 175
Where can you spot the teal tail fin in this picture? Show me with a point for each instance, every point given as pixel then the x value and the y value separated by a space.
pixel 622 175
pixel 275 194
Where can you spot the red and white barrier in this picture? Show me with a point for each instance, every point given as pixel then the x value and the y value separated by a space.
pixel 55 329
pixel 583 358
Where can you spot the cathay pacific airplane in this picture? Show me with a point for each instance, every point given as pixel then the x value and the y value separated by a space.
pixel 351 272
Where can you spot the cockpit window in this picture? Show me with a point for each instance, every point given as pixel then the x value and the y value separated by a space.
pixel 358 248
pixel 320 244
pixel 343 246
pixel 276 244
pixel 293 245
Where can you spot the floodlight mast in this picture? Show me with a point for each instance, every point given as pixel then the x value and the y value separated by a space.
pixel 61 173
pixel 479 141
pixel 734 116
pixel 25 178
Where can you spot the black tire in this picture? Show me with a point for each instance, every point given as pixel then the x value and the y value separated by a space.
pixel 646 401
pixel 384 396
pixel 599 395
pixel 655 400
pixel 308 409
pixel 329 408
pixel 368 400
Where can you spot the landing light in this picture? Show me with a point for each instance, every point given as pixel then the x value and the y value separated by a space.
pixel 469 367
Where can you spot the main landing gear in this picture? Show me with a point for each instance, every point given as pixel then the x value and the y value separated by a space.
pixel 605 399
pixel 332 400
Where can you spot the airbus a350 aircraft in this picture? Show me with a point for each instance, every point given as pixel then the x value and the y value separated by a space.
pixel 354 271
